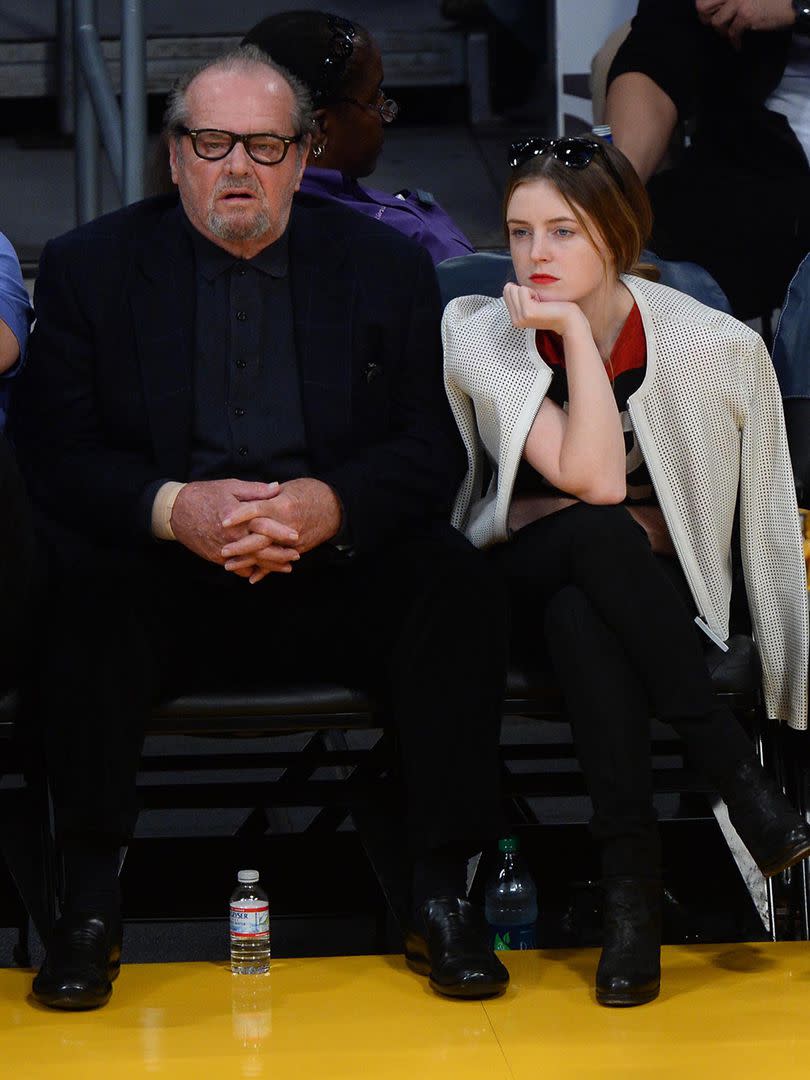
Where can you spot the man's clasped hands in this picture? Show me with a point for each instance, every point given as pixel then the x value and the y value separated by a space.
pixel 255 529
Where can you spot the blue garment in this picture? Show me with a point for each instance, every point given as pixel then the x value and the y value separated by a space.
pixel 414 213
pixel 791 345
pixel 15 311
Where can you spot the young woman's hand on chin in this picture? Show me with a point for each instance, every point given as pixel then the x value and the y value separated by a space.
pixel 527 309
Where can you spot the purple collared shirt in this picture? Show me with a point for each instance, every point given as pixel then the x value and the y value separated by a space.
pixel 415 214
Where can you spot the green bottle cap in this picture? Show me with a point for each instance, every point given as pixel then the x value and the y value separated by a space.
pixel 508 843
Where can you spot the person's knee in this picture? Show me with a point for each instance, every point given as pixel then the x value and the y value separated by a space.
pixel 564 613
pixel 608 530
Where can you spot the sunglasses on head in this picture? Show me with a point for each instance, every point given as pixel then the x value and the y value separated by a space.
pixel 573 151
pixel 341 43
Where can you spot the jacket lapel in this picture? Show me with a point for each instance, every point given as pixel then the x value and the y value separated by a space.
pixel 163 308
pixel 323 297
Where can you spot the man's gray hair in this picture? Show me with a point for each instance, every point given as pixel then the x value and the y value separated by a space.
pixel 245 58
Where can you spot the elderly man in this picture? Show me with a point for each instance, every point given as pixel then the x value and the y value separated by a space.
pixel 235 434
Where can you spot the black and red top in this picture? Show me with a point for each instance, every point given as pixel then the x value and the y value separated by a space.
pixel 627 367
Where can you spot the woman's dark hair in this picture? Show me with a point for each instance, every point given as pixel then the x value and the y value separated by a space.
pixel 319 48
pixel 609 191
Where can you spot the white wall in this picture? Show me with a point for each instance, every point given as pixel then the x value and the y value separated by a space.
pixel 581 27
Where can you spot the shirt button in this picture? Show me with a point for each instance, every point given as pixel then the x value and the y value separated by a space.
pixel 242 270
pixel 241 315
pixel 243 451
pixel 241 363
pixel 239 412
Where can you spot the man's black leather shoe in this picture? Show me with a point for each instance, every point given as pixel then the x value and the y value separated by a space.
pixel 83 958
pixel 449 942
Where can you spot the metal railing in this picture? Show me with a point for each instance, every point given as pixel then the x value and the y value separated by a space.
pixel 96 114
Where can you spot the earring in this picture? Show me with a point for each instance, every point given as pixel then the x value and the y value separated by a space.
pixel 318 149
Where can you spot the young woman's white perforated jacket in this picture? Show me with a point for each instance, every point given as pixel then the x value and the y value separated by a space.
pixel 708 420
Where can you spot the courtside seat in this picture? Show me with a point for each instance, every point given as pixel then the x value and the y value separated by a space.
pixel 326 712
pixel 286 708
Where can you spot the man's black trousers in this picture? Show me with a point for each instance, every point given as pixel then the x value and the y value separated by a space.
pixel 422 625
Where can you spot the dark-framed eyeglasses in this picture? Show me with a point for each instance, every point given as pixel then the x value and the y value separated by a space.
pixel 573 151
pixel 386 107
pixel 265 148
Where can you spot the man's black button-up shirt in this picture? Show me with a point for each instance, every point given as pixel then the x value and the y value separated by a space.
pixel 248 420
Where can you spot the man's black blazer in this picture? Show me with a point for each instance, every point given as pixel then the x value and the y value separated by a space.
pixel 104 406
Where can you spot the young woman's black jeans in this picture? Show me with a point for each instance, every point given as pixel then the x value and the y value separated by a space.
pixel 615 622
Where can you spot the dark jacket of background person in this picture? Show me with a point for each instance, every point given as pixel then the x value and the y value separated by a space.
pixel 737 201
pixel 104 407
pixel 722 91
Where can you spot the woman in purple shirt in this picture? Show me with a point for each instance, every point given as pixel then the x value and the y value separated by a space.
pixel 341 66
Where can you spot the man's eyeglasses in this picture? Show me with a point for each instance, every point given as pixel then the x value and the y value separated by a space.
pixel 265 148
pixel 386 107
pixel 573 151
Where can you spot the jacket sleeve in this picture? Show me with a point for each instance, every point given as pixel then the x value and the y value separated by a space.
pixel 464 414
pixel 771 544
pixel 402 482
pixel 78 471
pixel 665 42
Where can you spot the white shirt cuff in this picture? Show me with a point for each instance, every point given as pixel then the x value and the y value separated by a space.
pixel 162 510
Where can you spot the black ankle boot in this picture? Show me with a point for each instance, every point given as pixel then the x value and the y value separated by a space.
pixel 774 833
pixel 629 971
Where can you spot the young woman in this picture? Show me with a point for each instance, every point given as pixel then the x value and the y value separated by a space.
pixel 612 425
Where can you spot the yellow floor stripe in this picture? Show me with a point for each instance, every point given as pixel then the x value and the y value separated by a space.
pixel 741 1011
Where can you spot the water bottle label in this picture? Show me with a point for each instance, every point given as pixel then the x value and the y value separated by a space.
pixel 514 938
pixel 250 919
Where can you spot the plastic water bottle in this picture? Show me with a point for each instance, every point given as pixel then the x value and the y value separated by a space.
pixel 511 900
pixel 250 926
pixel 603 131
